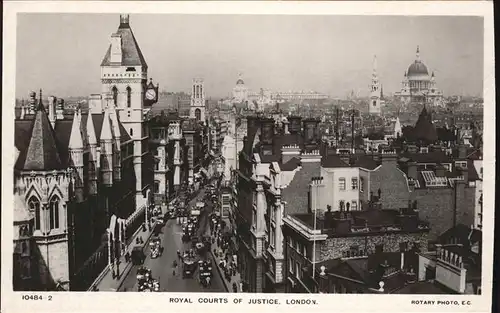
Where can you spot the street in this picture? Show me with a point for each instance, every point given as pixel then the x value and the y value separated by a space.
pixel 162 267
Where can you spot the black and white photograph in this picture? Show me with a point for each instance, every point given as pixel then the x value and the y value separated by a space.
pixel 249 154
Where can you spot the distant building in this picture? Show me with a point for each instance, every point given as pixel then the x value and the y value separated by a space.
pixel 418 86
pixel 198 105
pixel 375 103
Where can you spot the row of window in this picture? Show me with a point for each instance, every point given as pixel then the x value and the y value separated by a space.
pixel 354 183
pixel 34 206
pixel 349 206
pixel 121 75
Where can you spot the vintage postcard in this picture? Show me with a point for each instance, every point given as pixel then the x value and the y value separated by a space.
pixel 261 156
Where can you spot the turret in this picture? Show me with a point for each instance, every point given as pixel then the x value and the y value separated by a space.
pixel 76 153
pixel 116 143
pixel 32 103
pixel 107 150
pixel 94 162
pixel 52 110
pixel 60 109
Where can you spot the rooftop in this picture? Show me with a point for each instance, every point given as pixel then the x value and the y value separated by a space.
pixel 362 222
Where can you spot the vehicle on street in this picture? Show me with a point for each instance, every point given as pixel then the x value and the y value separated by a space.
pixel 188 267
pixel 143 274
pixel 155 247
pixel 138 256
pixel 205 272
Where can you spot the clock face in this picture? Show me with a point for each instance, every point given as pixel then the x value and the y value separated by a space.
pixel 150 94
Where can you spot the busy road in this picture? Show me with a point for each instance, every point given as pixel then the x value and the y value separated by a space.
pixel 162 267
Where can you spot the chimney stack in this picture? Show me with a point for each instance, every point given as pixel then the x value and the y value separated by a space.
pixel 295 125
pixel 311 130
pixel 267 130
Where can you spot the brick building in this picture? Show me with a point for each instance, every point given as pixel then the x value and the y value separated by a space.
pixel 346 242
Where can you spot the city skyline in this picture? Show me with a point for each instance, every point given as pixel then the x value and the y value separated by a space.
pixel 340 50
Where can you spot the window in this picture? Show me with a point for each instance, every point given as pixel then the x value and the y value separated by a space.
pixel 157 187
pixel 304 251
pixel 197 114
pixel 361 184
pixel 34 206
pixel 290 265
pixel 341 205
pixel 273 236
pixel 297 270
pixel 131 132
pixel 114 91
pixel 129 97
pixel 342 183
pixel 54 212
pixel 354 205
pixel 354 183
pixel 128 113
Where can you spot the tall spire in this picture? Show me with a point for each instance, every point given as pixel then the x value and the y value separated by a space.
pixel 40 103
pixel 106 132
pixel 418 53
pixel 75 139
pixel 375 64
pixel 91 131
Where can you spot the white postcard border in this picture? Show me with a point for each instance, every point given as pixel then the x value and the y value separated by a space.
pixel 153 302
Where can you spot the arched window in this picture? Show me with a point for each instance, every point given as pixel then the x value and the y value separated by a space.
pixel 157 187
pixel 114 90
pixel 129 97
pixel 197 114
pixel 131 132
pixel 34 205
pixel 54 212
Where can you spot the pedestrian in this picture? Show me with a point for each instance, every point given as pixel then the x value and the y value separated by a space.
pixel 235 287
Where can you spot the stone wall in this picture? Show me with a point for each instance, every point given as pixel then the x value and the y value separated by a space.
pixel 332 248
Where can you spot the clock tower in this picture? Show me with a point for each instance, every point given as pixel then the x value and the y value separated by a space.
pixel 124 74
pixel 197 109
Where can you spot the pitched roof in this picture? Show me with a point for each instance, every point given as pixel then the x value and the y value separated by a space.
pixel 296 193
pixel 131 53
pixel 292 164
pixel 41 152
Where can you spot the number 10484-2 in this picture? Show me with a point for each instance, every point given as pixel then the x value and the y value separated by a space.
pixel 37 297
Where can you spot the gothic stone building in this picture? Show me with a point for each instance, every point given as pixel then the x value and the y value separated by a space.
pixel 80 180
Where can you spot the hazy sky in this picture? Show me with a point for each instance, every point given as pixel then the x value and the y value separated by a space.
pixel 61 53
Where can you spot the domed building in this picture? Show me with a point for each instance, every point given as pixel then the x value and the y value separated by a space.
pixel 418 86
pixel 240 91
